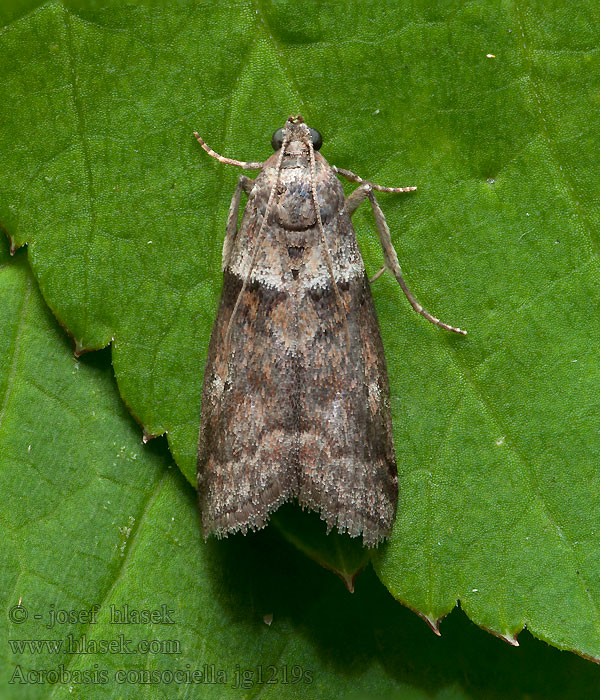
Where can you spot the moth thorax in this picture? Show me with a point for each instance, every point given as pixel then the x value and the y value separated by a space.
pixel 293 207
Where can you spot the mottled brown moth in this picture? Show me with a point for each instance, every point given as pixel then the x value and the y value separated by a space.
pixel 295 403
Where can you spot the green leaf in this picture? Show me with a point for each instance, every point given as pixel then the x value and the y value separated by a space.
pixel 486 108
pixel 91 517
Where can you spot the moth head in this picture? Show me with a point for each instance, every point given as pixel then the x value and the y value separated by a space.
pixel 296 130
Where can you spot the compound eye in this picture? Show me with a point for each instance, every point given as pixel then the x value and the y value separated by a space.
pixel 277 140
pixel 316 138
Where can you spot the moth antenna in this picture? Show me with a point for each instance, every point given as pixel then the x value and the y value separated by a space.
pixel 259 238
pixel 228 161
pixel 338 297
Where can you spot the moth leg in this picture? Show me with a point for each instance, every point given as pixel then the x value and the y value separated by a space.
pixel 357 197
pixel 246 184
pixel 349 175
pixel 378 274
pixel 389 254
pixel 229 161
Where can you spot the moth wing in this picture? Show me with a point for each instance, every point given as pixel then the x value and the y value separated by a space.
pixel 247 459
pixel 347 461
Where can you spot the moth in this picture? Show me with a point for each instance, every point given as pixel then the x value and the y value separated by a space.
pixel 296 399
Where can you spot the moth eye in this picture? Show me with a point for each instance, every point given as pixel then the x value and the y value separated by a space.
pixel 277 140
pixel 316 138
